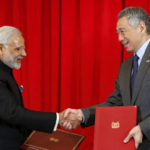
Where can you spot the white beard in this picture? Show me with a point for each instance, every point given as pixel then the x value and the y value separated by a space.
pixel 9 60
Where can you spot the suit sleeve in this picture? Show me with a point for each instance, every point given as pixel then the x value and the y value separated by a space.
pixel 113 100
pixel 14 114
pixel 145 127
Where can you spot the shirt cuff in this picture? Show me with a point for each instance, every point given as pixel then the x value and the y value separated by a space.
pixel 83 117
pixel 57 121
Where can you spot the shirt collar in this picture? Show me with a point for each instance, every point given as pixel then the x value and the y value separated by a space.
pixel 142 50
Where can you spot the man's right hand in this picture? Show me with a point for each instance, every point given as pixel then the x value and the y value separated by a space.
pixel 71 118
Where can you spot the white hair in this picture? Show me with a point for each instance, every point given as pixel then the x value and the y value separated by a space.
pixel 6 32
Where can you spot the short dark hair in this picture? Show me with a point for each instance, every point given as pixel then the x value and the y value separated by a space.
pixel 135 15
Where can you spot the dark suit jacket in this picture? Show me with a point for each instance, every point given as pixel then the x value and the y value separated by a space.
pixel 16 122
pixel 121 96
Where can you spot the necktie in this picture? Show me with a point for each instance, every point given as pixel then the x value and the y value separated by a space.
pixel 134 71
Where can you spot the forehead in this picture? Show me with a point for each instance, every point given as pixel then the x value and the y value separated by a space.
pixel 122 23
pixel 16 39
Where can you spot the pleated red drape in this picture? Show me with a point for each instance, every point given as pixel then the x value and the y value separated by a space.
pixel 73 53
pixel 39 22
pixel 90 54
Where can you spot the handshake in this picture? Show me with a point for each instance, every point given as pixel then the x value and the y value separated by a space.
pixel 70 118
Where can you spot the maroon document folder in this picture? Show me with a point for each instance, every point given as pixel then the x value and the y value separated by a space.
pixel 59 140
pixel 112 125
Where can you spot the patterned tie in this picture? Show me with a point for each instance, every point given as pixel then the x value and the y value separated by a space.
pixel 134 71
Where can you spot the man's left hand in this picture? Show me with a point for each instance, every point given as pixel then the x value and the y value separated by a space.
pixel 135 133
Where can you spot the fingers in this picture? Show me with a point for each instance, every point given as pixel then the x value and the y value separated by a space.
pixel 67 125
pixel 135 133
pixel 70 118
pixel 136 145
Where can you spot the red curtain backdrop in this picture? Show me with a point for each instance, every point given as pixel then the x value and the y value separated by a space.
pixel 73 53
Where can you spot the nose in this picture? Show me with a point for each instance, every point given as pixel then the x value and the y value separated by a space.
pixel 24 53
pixel 120 37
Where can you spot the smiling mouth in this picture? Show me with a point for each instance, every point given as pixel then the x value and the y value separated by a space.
pixel 19 60
pixel 125 44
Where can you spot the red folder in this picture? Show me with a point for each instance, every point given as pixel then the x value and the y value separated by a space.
pixel 112 125
pixel 58 140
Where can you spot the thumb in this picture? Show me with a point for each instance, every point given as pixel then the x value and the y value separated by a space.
pixel 126 140
pixel 66 113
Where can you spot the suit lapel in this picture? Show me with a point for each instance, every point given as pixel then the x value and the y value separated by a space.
pixel 7 76
pixel 141 73
pixel 15 89
pixel 127 76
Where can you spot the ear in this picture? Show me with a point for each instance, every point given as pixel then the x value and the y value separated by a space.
pixel 1 50
pixel 142 27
